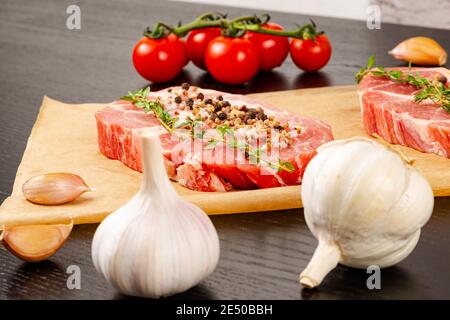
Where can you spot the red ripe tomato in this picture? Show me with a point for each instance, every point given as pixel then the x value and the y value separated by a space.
pixel 197 42
pixel 310 55
pixel 232 60
pixel 159 60
pixel 272 49
pixel 187 57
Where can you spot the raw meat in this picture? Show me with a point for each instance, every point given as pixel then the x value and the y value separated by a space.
pixel 389 110
pixel 192 162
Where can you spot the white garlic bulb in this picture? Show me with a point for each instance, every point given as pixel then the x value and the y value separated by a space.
pixel 365 204
pixel 157 244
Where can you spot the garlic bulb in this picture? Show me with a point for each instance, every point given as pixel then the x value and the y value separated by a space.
pixel 157 244
pixel 365 204
pixel 420 50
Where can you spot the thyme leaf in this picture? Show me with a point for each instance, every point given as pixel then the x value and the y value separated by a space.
pixel 433 89
pixel 140 99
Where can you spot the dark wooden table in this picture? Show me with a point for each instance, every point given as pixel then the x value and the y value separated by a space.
pixel 262 253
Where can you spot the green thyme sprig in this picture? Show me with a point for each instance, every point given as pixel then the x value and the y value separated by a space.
pixel 433 89
pixel 140 99
pixel 255 155
pixel 227 135
pixel 195 126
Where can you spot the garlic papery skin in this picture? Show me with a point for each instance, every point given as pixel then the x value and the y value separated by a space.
pixel 365 205
pixel 157 244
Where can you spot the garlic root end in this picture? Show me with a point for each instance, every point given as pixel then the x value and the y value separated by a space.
pixel 325 258
pixel 307 282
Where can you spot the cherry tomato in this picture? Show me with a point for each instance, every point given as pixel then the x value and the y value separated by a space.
pixel 187 57
pixel 232 60
pixel 310 55
pixel 197 42
pixel 272 49
pixel 159 60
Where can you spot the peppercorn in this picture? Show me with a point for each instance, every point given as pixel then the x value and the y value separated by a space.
pixel 190 103
pixel 185 86
pixel 217 107
pixel 243 108
pixel 169 90
pixel 178 99
pixel 260 114
pixel 222 116
pixel 251 113
pixel 220 98
pixel 277 127
pixel 226 104
pixel 440 78
pixel 208 101
pixel 200 96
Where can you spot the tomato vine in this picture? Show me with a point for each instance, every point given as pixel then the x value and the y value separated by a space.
pixel 231 28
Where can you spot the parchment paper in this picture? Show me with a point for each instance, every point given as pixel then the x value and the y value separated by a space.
pixel 64 139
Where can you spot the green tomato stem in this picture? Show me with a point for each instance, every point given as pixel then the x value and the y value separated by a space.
pixel 234 27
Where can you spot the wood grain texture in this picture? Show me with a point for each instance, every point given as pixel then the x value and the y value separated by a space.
pixel 262 253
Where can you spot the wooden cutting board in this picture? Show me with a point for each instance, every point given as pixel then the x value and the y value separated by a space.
pixel 64 139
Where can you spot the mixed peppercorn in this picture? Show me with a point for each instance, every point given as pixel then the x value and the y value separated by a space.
pixel 216 111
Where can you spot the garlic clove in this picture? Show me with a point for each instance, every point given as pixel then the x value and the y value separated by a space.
pixel 421 51
pixel 33 243
pixel 54 188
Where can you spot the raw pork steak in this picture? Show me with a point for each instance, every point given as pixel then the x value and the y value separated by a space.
pixel 199 165
pixel 389 110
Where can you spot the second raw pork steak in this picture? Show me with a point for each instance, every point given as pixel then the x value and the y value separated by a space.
pixel 389 110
